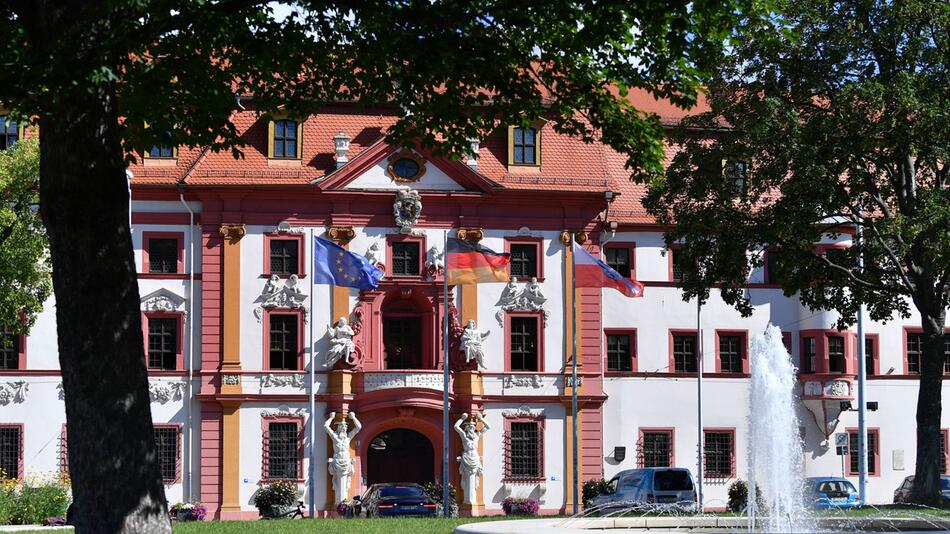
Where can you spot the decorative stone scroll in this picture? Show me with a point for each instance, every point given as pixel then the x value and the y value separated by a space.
pixel 472 235
pixel 569 381
pixel 162 300
pixel 283 411
pixel 377 381
pixel 523 411
pixel 277 294
pixel 271 380
pixel 232 232
pixel 163 392
pixel 528 298
pixel 14 392
pixel 341 235
pixel 522 381
pixel 231 380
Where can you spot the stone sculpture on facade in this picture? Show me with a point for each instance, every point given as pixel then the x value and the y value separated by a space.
pixel 471 344
pixel 406 209
pixel 276 296
pixel 341 465
pixel 528 299
pixel 435 264
pixel 374 254
pixel 341 343
pixel 470 463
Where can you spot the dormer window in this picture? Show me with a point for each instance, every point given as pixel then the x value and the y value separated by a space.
pixel 284 139
pixel 736 172
pixel 524 145
pixel 161 152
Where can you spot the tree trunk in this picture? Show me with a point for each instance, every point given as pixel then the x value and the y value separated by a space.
pixel 84 201
pixel 926 488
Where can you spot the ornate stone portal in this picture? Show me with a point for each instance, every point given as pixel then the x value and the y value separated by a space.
pixel 470 463
pixel 341 465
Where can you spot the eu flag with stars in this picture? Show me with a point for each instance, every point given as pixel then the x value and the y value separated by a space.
pixel 334 265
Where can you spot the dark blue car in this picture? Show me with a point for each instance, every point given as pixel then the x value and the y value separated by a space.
pixel 394 500
pixel 831 492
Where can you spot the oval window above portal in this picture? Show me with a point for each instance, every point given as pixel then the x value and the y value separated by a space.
pixel 406 166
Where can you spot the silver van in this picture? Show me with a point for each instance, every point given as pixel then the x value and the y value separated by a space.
pixel 650 486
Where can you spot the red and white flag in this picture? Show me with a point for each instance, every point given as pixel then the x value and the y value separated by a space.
pixel 592 272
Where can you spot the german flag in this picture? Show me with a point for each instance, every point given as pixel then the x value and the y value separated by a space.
pixel 466 263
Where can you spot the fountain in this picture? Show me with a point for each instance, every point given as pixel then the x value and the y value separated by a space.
pixel 775 461
pixel 775 447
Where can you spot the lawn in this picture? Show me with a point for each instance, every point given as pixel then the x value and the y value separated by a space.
pixel 329 526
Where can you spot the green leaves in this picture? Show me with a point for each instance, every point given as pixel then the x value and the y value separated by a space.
pixel 842 126
pixel 24 262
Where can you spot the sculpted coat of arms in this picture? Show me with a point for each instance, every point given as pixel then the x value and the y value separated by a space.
pixel 406 209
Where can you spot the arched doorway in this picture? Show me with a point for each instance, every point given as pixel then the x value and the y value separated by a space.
pixel 400 455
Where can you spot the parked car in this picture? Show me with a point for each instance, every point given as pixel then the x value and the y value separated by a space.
pixel 831 492
pixel 651 485
pixel 902 493
pixel 392 500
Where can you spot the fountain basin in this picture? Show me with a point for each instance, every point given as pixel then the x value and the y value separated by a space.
pixel 704 524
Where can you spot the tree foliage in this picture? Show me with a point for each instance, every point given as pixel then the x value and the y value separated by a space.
pixel 24 263
pixel 108 79
pixel 842 111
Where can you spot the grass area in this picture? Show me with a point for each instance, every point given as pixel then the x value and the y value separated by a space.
pixel 328 526
pixel 446 526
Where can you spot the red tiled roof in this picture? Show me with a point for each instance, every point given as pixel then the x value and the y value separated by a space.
pixel 568 164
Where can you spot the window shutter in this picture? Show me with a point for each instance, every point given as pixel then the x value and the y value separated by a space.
pixel 507 443
pixel 265 452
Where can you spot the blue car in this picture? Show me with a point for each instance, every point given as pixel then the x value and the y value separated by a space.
pixel 831 492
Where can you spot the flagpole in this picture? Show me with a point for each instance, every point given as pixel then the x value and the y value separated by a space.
pixel 574 375
pixel 446 508
pixel 310 390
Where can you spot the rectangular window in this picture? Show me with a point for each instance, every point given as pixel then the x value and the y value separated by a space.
pixel 736 172
pixel 868 356
pixel 524 344
pixel 11 442
pixel 771 276
pixel 9 348
pixel 524 261
pixel 285 139
pixel 684 353
pixel 9 132
pixel 525 146
pixel 282 451
pixel 162 255
pixel 284 339
pixel 676 273
pixel 402 337
pixel 809 353
pixel 284 256
pixel 405 259
pixel 162 343
pixel 656 448
pixel 730 353
pixel 618 259
pixel 161 151
pixel 718 453
pixel 853 452
pixel 524 451
pixel 166 447
pixel 946 353
pixel 619 354
pixel 836 361
pixel 915 347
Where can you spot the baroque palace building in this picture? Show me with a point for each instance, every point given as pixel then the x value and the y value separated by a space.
pixel 231 322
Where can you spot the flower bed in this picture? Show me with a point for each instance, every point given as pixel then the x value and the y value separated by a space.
pixel 34 499
pixel 520 506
